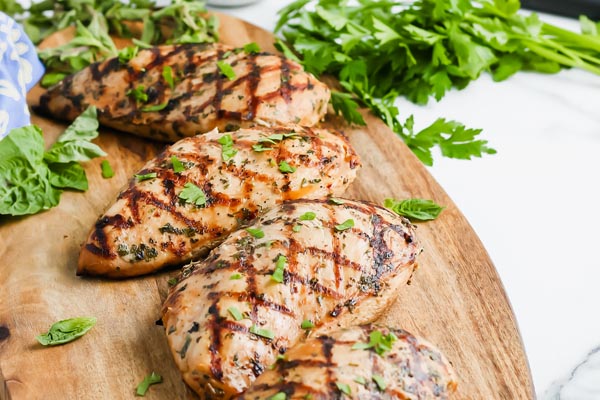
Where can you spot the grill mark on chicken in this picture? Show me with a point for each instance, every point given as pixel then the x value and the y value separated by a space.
pixel 103 250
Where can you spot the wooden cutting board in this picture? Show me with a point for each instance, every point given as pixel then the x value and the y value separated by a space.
pixel 455 300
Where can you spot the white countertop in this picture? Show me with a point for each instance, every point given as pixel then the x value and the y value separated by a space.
pixel 533 205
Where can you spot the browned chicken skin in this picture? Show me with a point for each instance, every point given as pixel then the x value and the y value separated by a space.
pixel 153 225
pixel 335 366
pixel 138 97
pixel 334 265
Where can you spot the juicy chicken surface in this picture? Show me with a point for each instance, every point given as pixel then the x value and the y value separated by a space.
pixel 175 91
pixel 164 217
pixel 332 367
pixel 231 315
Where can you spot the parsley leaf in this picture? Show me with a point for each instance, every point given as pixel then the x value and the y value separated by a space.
pixel 66 331
pixel 307 324
pixel 349 223
pixel 138 93
pixel 278 396
pixel 235 277
pixel 344 104
pixel 226 70
pixel 415 209
pixel 252 48
pixel 193 194
pixel 167 74
pixel 177 165
pixel 151 379
pixel 277 275
pixel 286 168
pixel 257 233
pixel 377 341
pixel 227 150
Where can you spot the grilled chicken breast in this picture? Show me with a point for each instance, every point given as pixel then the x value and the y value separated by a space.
pixel 170 92
pixel 339 366
pixel 189 198
pixel 231 315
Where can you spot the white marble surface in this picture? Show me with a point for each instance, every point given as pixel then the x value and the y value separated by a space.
pixel 534 206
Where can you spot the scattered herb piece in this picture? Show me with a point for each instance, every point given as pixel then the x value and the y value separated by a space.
pixel 344 388
pixel 177 165
pixel 286 168
pixel 378 342
pixel 145 177
pixel 260 148
pixel 252 48
pixel 193 194
pixel 297 228
pixel 415 209
pixel 308 216
pixel 235 313
pixel 380 382
pixel 151 379
pixel 235 276
pixel 257 233
pixel 167 74
pixel 66 331
pixel 227 150
pixel 360 380
pixel 155 107
pixel 138 93
pixel 347 224
pixel 279 269
pixel 226 70
pixel 172 281
pixel 307 324
pixel 336 201
pixel 262 332
pixel 107 171
pixel 278 396
pixel 126 54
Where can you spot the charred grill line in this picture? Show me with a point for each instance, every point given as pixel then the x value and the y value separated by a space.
pixel 253 80
pixel 286 86
pixel 215 344
pixel 327 344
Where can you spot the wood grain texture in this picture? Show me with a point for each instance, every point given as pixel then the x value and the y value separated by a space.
pixel 456 299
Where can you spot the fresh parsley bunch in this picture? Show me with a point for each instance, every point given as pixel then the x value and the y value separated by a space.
pixel 31 179
pixel 382 49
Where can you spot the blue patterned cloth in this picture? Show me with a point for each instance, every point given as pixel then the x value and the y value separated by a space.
pixel 20 69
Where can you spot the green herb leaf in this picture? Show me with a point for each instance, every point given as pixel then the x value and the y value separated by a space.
pixel 262 332
pixel 167 74
pixel 260 148
pixel 336 201
pixel 226 70
pixel 286 168
pixel 151 379
pixel 227 150
pixel 252 48
pixel 126 54
pixel 107 171
pixel 66 331
pixel 347 224
pixel 145 177
pixel 235 276
pixel 177 165
pixel 379 342
pixel 278 396
pixel 307 324
pixel 279 269
pixel 360 380
pixel 235 313
pixel 172 281
pixel 297 228
pixel 52 78
pixel 344 104
pixel 155 107
pixel 68 176
pixel 138 93
pixel 193 194
pixel 344 388
pixel 380 382
pixel 308 216
pixel 257 233
pixel 415 209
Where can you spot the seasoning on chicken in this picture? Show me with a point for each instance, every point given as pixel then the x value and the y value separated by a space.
pixel 189 198
pixel 171 92
pixel 333 263
pixel 363 362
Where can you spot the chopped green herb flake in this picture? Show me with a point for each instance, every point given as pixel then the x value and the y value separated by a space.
pixel 126 54
pixel 344 388
pixel 308 216
pixel 66 331
pixel 379 342
pixel 251 48
pixel 145 177
pixel 297 228
pixel 226 70
pixel 307 324
pixel 278 396
pixel 279 269
pixel 193 194
pixel 138 93
pixel 167 74
pixel 349 223
pixel 414 209
pixel 234 277
pixel 151 379
pixel 262 332
pixel 227 150
pixel 260 148
pixel 257 233
pixel 172 281
pixel 286 168
pixel 380 382
pixel 155 107
pixel 235 313
pixel 177 165
pixel 107 171
pixel 336 201
pixel 360 380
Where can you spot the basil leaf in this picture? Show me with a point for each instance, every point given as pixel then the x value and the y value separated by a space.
pixel 107 171
pixel 257 233
pixel 66 331
pixel 226 70
pixel 151 379
pixel 75 150
pixel 68 176
pixel 415 209
pixel 308 216
pixel 347 224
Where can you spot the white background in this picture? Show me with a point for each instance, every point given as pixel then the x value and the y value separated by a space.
pixel 534 204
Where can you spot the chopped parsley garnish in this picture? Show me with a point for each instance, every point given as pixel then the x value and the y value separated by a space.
pixel 227 150
pixel 177 165
pixel 347 224
pixel 155 107
pixel 262 332
pixel 145 177
pixel 127 54
pixel 167 74
pixel 107 171
pixel 297 228
pixel 257 233
pixel 279 268
pixel 138 93
pixel 307 216
pixel 235 313
pixel 377 341
pixel 226 70
pixel 151 379
pixel 260 148
pixel 235 277
pixel 251 48
pixel 286 168
pixel 172 281
pixel 193 194
pixel 307 324
pixel 336 201
pixel 360 380
pixel 344 388
pixel 278 396
pixel 380 382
